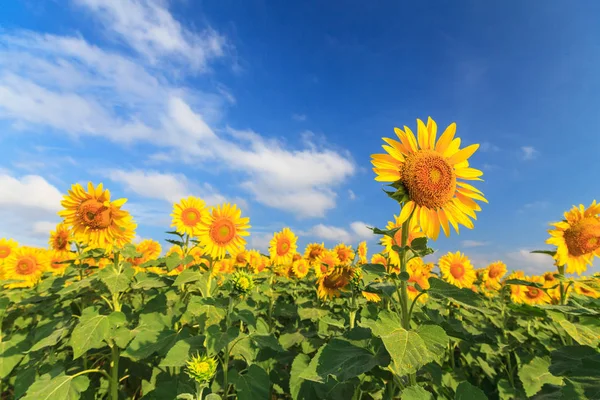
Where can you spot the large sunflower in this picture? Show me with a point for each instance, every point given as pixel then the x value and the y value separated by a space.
pixel 413 232
pixel 187 214
pixel 430 171
pixel 60 239
pixel 95 220
pixel 577 238
pixel 345 253
pixel 457 269
pixel 26 264
pixel 313 251
pixel 283 247
pixel 222 229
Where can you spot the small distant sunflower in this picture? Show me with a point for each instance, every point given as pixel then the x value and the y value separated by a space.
pixel 362 252
pixel 532 295
pixel 552 285
pixel 586 290
pixel 326 262
pixel 60 239
pixel 221 231
pixel 419 273
pixel 175 249
pixel 345 253
pixel 240 258
pixel 516 290
pixel 300 268
pixel 381 260
pixel 94 219
pixel 223 266
pixel 26 264
pixel 150 250
pixel 372 297
pixel 413 232
pixel 457 270
pixel 187 214
pixel 6 248
pixel 256 261
pixel 331 284
pixel 577 238
pixel 493 274
pixel 57 264
pixel 313 251
pixel 430 171
pixel 283 247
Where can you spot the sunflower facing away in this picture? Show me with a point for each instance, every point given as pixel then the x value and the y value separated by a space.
pixel 187 214
pixel 577 238
pixel 457 270
pixel 26 264
pixel 413 232
pixel 95 219
pixel 430 171
pixel 221 230
pixel 283 247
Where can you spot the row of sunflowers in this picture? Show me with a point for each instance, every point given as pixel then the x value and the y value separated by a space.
pixel 96 316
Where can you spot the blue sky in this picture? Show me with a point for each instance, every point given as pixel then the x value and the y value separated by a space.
pixel 278 105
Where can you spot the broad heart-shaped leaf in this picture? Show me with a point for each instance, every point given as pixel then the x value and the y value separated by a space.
pixel 301 389
pixel 575 362
pixel 209 311
pixel 344 360
pixel 253 385
pixel 61 387
pixel 216 339
pixel 145 281
pixel 372 272
pixel 116 281
pixel 187 275
pixel 435 338
pixel 535 374
pixel 311 313
pixel 12 352
pixel 440 289
pixel 150 341
pixel 415 393
pixel 407 349
pixel 182 350
pixel 466 391
pixel 582 334
pixel 90 332
pixel 51 339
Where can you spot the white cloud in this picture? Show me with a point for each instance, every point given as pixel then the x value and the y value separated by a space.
pixel 73 87
pixel 28 205
pixel 531 263
pixel 358 231
pixel 149 28
pixel 163 186
pixel 351 194
pixel 473 243
pixel 489 147
pixel 299 117
pixel 529 152
pixel 260 241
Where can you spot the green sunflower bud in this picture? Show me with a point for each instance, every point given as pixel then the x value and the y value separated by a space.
pixel 201 369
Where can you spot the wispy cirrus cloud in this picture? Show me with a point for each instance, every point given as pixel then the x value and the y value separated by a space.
pixel 529 153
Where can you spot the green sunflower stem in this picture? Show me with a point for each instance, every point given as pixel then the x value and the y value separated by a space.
pixel 114 372
pixel 353 311
pixel 227 348
pixel 403 286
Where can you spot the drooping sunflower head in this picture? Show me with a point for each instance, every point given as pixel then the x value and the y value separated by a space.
pixel 362 252
pixel 26 264
pixel 577 238
pixel 388 242
pixel 345 253
pixel 313 251
pixel 221 231
pixel 533 295
pixel 326 262
pixel 283 247
pixel 431 172
pixel 457 270
pixel 187 214
pixel 201 369
pixel 95 220
pixel 60 239
pixel 300 268
pixel 331 284
pixel 494 272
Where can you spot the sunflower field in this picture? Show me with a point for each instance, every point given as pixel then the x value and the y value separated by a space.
pixel 95 316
